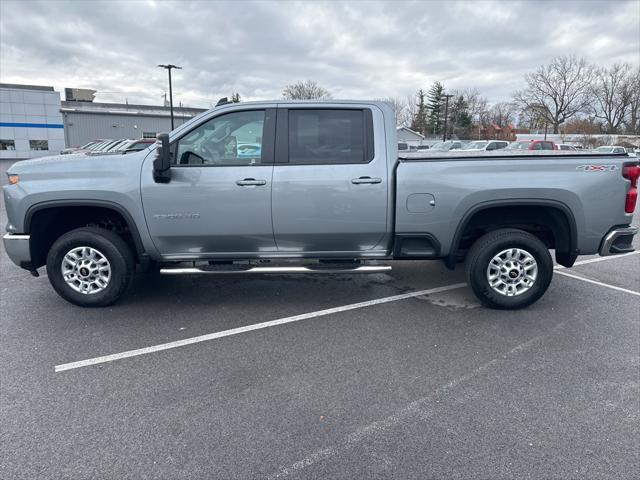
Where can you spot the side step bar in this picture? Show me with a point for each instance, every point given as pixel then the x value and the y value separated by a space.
pixel 274 270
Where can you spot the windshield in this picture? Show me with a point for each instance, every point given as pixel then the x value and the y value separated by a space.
pixel 518 146
pixel 476 145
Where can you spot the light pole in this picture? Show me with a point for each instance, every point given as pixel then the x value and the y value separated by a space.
pixel 169 67
pixel 446 115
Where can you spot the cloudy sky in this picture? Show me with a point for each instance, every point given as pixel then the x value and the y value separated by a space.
pixel 354 49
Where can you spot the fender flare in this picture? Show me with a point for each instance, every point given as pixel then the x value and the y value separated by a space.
pixel 131 224
pixel 517 202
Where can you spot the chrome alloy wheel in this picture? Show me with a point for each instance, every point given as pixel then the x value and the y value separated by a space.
pixel 512 272
pixel 86 270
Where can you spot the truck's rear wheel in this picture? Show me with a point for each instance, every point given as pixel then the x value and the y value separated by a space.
pixel 90 267
pixel 509 269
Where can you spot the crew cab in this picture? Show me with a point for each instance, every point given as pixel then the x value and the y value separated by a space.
pixel 312 187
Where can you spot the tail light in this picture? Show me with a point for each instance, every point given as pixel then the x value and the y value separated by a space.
pixel 631 173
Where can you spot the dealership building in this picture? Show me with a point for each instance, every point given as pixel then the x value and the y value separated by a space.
pixel 34 121
pixel 30 121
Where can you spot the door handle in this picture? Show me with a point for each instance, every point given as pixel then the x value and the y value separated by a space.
pixel 362 180
pixel 250 182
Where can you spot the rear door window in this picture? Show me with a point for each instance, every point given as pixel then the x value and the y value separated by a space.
pixel 321 136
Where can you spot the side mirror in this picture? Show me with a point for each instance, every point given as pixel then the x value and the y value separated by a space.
pixel 162 162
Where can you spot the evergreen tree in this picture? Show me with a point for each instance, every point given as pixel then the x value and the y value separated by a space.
pixel 435 108
pixel 419 121
pixel 459 117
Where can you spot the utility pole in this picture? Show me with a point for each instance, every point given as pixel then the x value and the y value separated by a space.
pixel 446 115
pixel 169 67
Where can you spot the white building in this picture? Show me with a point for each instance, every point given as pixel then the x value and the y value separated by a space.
pixel 408 136
pixel 30 121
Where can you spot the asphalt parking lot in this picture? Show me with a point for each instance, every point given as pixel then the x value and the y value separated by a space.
pixel 422 384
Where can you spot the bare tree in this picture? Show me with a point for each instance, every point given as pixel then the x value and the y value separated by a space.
pixel 633 115
pixel 503 114
pixel 476 103
pixel 612 95
pixel 411 107
pixel 478 106
pixel 558 91
pixel 531 119
pixel 307 90
pixel 403 116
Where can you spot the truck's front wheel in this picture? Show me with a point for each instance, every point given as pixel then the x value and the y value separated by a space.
pixel 90 267
pixel 509 269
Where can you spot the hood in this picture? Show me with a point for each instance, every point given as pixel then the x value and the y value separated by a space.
pixel 79 169
pixel 75 162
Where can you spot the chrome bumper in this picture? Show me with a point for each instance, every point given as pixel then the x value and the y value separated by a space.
pixel 617 241
pixel 17 248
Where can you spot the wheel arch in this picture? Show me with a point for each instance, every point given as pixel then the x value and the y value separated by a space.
pixel 558 218
pixel 55 207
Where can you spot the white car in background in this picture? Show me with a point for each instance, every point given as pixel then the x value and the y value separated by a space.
pixel 485 145
pixel 446 146
pixel 566 146
pixel 610 149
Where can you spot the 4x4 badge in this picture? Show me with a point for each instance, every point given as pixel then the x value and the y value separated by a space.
pixel 597 168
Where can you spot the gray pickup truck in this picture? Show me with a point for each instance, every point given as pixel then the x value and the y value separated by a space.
pixel 312 187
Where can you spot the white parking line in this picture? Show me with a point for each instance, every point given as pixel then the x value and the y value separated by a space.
pixel 601 284
pixel 296 318
pixel 249 328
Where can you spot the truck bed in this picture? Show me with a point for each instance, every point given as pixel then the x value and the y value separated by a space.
pixel 435 193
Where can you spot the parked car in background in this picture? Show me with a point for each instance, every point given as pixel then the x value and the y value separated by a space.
pixel 610 149
pixel 485 145
pixel 119 145
pixel 101 147
pixel 446 146
pixel 566 146
pixel 140 144
pixel 122 146
pixel 83 149
pixel 106 147
pixel 532 145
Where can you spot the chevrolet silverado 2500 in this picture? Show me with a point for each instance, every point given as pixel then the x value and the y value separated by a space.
pixel 312 187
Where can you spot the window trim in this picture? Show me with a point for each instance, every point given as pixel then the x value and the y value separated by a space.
pixel 268 138
pixel 282 136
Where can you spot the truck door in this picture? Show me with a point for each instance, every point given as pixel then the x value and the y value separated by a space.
pixel 219 198
pixel 330 189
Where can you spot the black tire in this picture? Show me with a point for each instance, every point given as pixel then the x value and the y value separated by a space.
pixel 111 246
pixel 495 242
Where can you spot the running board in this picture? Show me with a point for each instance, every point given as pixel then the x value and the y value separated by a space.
pixel 274 270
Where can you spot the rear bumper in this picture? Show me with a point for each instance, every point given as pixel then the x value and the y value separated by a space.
pixel 617 241
pixel 17 247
